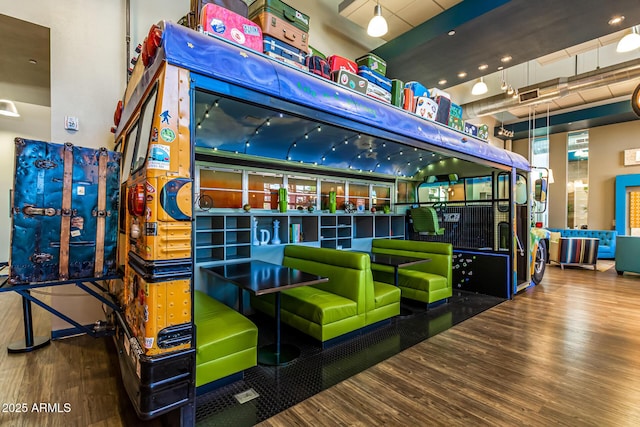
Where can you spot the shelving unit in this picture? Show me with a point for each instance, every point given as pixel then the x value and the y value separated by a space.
pixel 227 237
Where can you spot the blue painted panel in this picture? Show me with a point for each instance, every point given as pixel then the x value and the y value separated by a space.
pixel 622 182
pixel 251 76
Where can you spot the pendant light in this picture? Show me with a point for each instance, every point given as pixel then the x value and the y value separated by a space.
pixel 378 25
pixel 479 88
pixel 8 108
pixel 629 42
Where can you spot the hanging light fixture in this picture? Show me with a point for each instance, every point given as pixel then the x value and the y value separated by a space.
pixel 503 86
pixel 479 88
pixel 629 42
pixel 378 25
pixel 8 108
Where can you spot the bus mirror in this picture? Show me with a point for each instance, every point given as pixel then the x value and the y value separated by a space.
pixel 540 190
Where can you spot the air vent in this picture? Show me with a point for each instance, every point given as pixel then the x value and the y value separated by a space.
pixel 529 95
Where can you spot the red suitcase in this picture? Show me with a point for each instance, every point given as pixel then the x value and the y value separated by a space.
pixel 282 30
pixel 193 18
pixel 338 63
pixel 219 21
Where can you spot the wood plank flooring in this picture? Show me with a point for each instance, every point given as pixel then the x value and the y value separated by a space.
pixel 566 352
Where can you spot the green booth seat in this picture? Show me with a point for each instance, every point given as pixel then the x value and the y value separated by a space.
pixel 226 341
pixel 348 301
pixel 426 282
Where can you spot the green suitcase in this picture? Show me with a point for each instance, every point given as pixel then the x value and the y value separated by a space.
pixel 281 10
pixel 397 94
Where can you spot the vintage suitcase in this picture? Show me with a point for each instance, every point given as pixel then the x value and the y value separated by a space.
pixel 193 18
pixel 417 88
pixel 318 65
pixel 282 30
pixel 282 11
pixel 483 131
pixel 426 107
pixel 397 92
pixel 284 50
pixel 221 22
pixel 470 129
pixel 375 91
pixel 375 78
pixel 373 62
pixel 444 104
pixel 456 123
pixel 287 61
pixel 338 63
pixel 455 111
pixel 350 80
pixel 408 103
pixel 64 212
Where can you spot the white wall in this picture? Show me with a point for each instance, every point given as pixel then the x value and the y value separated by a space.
pixel 87 80
pixel 33 123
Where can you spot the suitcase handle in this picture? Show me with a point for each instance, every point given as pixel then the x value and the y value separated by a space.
pixel 291 36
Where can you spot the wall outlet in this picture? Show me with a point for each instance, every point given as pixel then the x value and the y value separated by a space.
pixel 71 123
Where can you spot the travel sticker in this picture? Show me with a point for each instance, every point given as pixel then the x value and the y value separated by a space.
pixel 167 134
pixel 154 135
pixel 160 157
pixel 165 117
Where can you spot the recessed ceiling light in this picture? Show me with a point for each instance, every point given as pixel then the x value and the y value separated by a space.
pixel 442 82
pixel 33 61
pixel 483 67
pixel 506 58
pixel 500 68
pixel 462 74
pixel 616 20
pixel 452 32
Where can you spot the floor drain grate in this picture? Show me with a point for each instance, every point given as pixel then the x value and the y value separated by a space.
pixel 246 396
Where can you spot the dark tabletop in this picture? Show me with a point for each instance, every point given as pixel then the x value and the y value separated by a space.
pixel 395 260
pixel 261 277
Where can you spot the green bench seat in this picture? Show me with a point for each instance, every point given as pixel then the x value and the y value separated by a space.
pixel 348 301
pixel 427 282
pixel 226 341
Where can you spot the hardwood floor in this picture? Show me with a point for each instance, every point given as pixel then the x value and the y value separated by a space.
pixel 566 352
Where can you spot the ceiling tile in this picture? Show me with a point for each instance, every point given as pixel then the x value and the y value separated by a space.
pixel 419 11
pixel 596 94
pixel 612 38
pixel 396 5
pixel 520 112
pixel 569 100
pixel 396 27
pixel 355 5
pixel 363 15
pixel 447 3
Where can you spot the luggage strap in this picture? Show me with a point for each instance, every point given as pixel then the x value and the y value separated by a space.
pixel 65 212
pixel 101 214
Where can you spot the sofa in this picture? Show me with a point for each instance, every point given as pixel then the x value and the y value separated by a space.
pixel 226 341
pixel 348 301
pixel 427 282
pixel 606 245
pixel 627 250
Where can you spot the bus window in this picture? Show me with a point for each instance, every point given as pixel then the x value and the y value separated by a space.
pixel 129 147
pixel 145 130
pixel 521 190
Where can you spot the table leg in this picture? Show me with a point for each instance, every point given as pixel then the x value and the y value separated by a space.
pixel 30 342
pixel 277 354
pixel 404 312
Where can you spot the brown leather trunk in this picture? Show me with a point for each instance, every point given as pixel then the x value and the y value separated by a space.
pixel 282 30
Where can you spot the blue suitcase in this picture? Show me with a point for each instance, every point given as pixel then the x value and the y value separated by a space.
pixel 375 78
pixel 287 51
pixel 64 212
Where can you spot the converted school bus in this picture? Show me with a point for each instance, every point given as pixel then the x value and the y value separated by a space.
pixel 211 132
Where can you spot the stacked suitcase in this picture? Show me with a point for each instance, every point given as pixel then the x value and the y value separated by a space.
pixel 373 69
pixel 285 29
pixel 228 19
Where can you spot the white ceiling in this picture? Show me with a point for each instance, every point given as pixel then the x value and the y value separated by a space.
pixel 401 15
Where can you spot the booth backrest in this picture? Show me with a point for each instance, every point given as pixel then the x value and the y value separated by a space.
pixel 349 273
pixel 441 254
